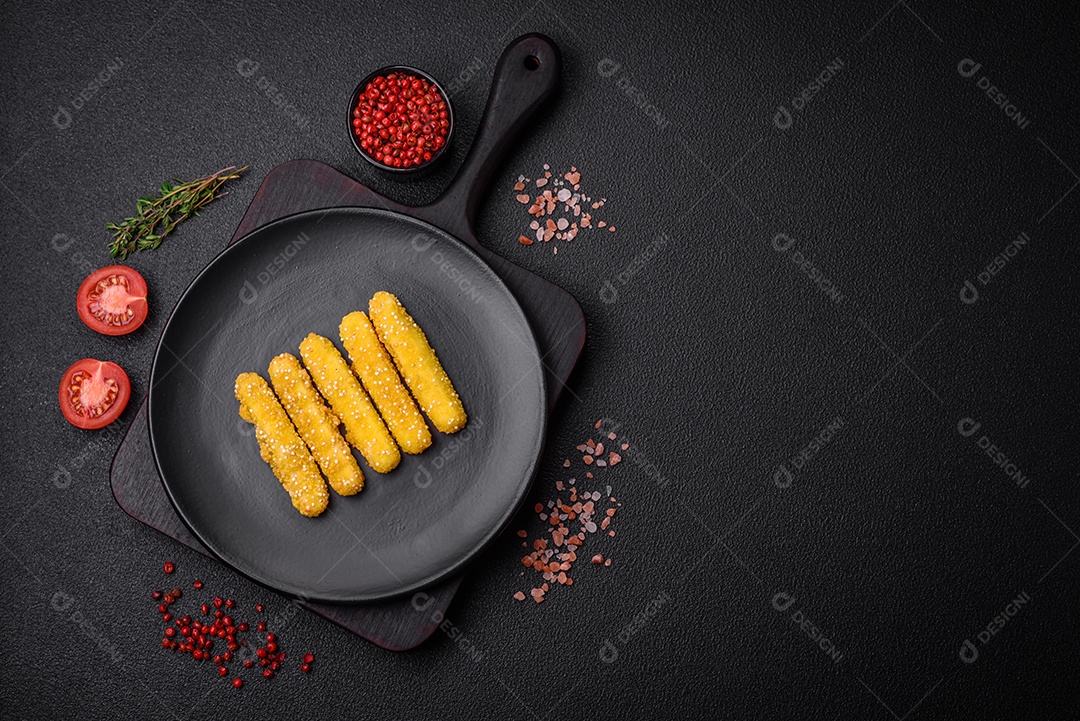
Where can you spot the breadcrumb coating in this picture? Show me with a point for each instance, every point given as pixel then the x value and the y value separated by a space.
pixel 280 446
pixel 316 424
pixel 416 361
pixel 364 429
pixel 371 362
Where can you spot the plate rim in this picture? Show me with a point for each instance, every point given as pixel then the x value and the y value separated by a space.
pixel 485 542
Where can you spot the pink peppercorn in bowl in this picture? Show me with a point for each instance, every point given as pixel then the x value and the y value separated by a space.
pixel 400 119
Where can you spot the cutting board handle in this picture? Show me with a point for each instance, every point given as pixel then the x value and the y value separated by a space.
pixel 526 75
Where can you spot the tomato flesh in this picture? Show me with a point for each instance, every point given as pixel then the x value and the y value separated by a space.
pixel 94 393
pixel 112 300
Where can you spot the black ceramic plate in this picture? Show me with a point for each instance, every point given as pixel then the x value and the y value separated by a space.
pixel 408 528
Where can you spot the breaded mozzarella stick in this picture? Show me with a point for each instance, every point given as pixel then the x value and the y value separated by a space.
pixel 363 427
pixel 316 424
pixel 381 380
pixel 280 446
pixel 416 361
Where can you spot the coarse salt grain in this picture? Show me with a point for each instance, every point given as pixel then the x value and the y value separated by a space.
pixel 568 524
pixel 567 204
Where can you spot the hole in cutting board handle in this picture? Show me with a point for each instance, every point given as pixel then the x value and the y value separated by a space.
pixel 532 62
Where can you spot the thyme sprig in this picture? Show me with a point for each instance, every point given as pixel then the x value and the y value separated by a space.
pixel 157 216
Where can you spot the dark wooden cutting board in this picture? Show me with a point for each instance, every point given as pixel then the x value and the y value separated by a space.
pixel 554 315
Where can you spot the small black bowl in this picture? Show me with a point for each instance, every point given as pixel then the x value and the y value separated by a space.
pixel 355 99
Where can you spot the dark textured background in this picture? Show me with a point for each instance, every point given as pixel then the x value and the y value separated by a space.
pixel 900 180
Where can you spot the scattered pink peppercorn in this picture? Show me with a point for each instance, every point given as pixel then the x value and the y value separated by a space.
pixel 195 637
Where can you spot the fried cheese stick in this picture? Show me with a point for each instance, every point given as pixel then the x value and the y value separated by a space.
pixel 416 361
pixel 280 446
pixel 381 380
pixel 315 424
pixel 363 427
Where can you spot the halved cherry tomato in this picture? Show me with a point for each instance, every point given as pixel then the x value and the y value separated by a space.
pixel 94 393
pixel 112 300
